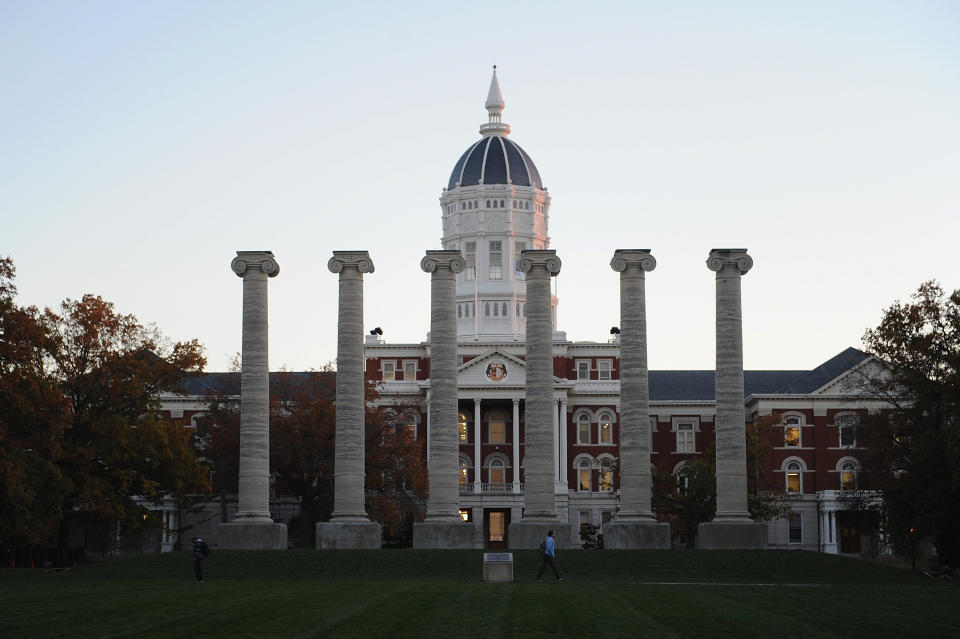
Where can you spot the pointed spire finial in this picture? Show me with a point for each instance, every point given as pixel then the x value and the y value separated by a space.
pixel 494 106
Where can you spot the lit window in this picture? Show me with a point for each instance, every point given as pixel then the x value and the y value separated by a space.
pixel 583 429
pixel 409 370
pixel 470 255
pixel 604 369
pixel 791 431
pixel 465 514
pixel 463 472
pixel 389 368
pixel 496 260
pixel 847 425
pixel 848 476
pixel 497 471
pixel 583 369
pixel 497 430
pixel 685 437
pixel 795 529
pixel 584 474
pixel 606 475
pixel 606 429
pixel 410 423
pixel 462 427
pixel 794 483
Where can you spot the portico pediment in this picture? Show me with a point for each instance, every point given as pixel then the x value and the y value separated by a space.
pixel 492 369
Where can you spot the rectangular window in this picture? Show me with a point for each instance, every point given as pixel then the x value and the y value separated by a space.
pixel 409 370
pixel 795 528
pixel 583 429
pixel 389 368
pixel 848 430
pixel 496 260
pixel 604 369
pixel 497 430
pixel 606 430
pixel 793 482
pixel 470 255
pixel 685 441
pixel 518 248
pixel 583 369
pixel 606 476
pixel 585 478
pixel 584 521
pixel 462 427
pixel 791 436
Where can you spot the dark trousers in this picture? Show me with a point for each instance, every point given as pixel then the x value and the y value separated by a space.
pixel 548 561
pixel 198 567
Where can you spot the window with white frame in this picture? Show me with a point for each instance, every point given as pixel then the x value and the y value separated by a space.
pixel 583 474
pixel 794 477
pixel 794 529
pixel 496 427
pixel 470 256
pixel 463 471
pixel 604 369
pixel 686 432
pixel 847 429
pixel 583 369
pixel 791 430
pixel 605 429
pixel 848 475
pixel 583 428
pixel 389 370
pixel 463 428
pixel 497 470
pixel 496 260
pixel 682 474
pixel 409 370
pixel 584 520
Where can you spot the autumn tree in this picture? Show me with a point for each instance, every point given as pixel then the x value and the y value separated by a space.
pixel 915 445
pixel 33 415
pixel 117 452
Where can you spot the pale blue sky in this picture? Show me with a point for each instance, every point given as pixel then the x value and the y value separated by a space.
pixel 143 143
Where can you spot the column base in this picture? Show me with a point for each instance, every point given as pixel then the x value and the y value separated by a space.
pixel 529 534
pixel 636 535
pixel 732 535
pixel 249 536
pixel 442 534
pixel 349 535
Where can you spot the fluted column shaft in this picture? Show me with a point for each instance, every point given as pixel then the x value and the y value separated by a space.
pixel 539 501
pixel 444 440
pixel 348 501
pixel 730 265
pixel 255 267
pixel 635 488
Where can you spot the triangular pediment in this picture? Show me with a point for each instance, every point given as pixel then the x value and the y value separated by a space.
pixel 855 380
pixel 493 368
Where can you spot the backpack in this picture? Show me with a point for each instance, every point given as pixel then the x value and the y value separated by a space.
pixel 543 547
pixel 204 549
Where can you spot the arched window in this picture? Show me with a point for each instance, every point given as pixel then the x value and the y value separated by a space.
pixel 463 471
pixel 682 473
pixel 606 429
pixel 463 427
pixel 848 475
pixel 488 204
pixel 503 309
pixel 459 311
pixel 498 471
pixel 583 475
pixel 501 204
pixel 847 430
pixel 496 310
pixel 794 472
pixel 791 430
pixel 583 429
pixel 486 309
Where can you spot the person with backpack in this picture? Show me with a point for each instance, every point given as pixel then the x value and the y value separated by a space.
pixel 200 551
pixel 548 550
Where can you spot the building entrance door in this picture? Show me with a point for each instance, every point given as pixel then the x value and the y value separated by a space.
pixel 849 533
pixel 495 524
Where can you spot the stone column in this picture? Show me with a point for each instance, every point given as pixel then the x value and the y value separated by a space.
pixel 516 445
pixel 732 526
pixel 443 527
pixel 540 505
pixel 477 486
pixel 563 445
pixel 635 525
pixel 349 526
pixel 252 528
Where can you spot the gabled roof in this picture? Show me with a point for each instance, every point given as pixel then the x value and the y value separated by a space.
pixel 825 373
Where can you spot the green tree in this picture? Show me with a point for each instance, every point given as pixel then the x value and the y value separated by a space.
pixel 915 445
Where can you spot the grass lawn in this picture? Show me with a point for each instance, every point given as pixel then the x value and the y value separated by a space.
pixel 406 593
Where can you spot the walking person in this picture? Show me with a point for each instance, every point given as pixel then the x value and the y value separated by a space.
pixel 549 550
pixel 200 551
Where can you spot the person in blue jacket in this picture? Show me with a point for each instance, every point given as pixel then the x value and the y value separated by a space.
pixel 549 552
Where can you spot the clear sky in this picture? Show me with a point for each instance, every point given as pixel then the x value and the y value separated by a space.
pixel 143 143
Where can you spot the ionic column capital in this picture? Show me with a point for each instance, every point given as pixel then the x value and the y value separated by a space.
pixel 435 261
pixel 344 260
pixel 251 261
pixel 721 260
pixel 534 258
pixel 633 259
